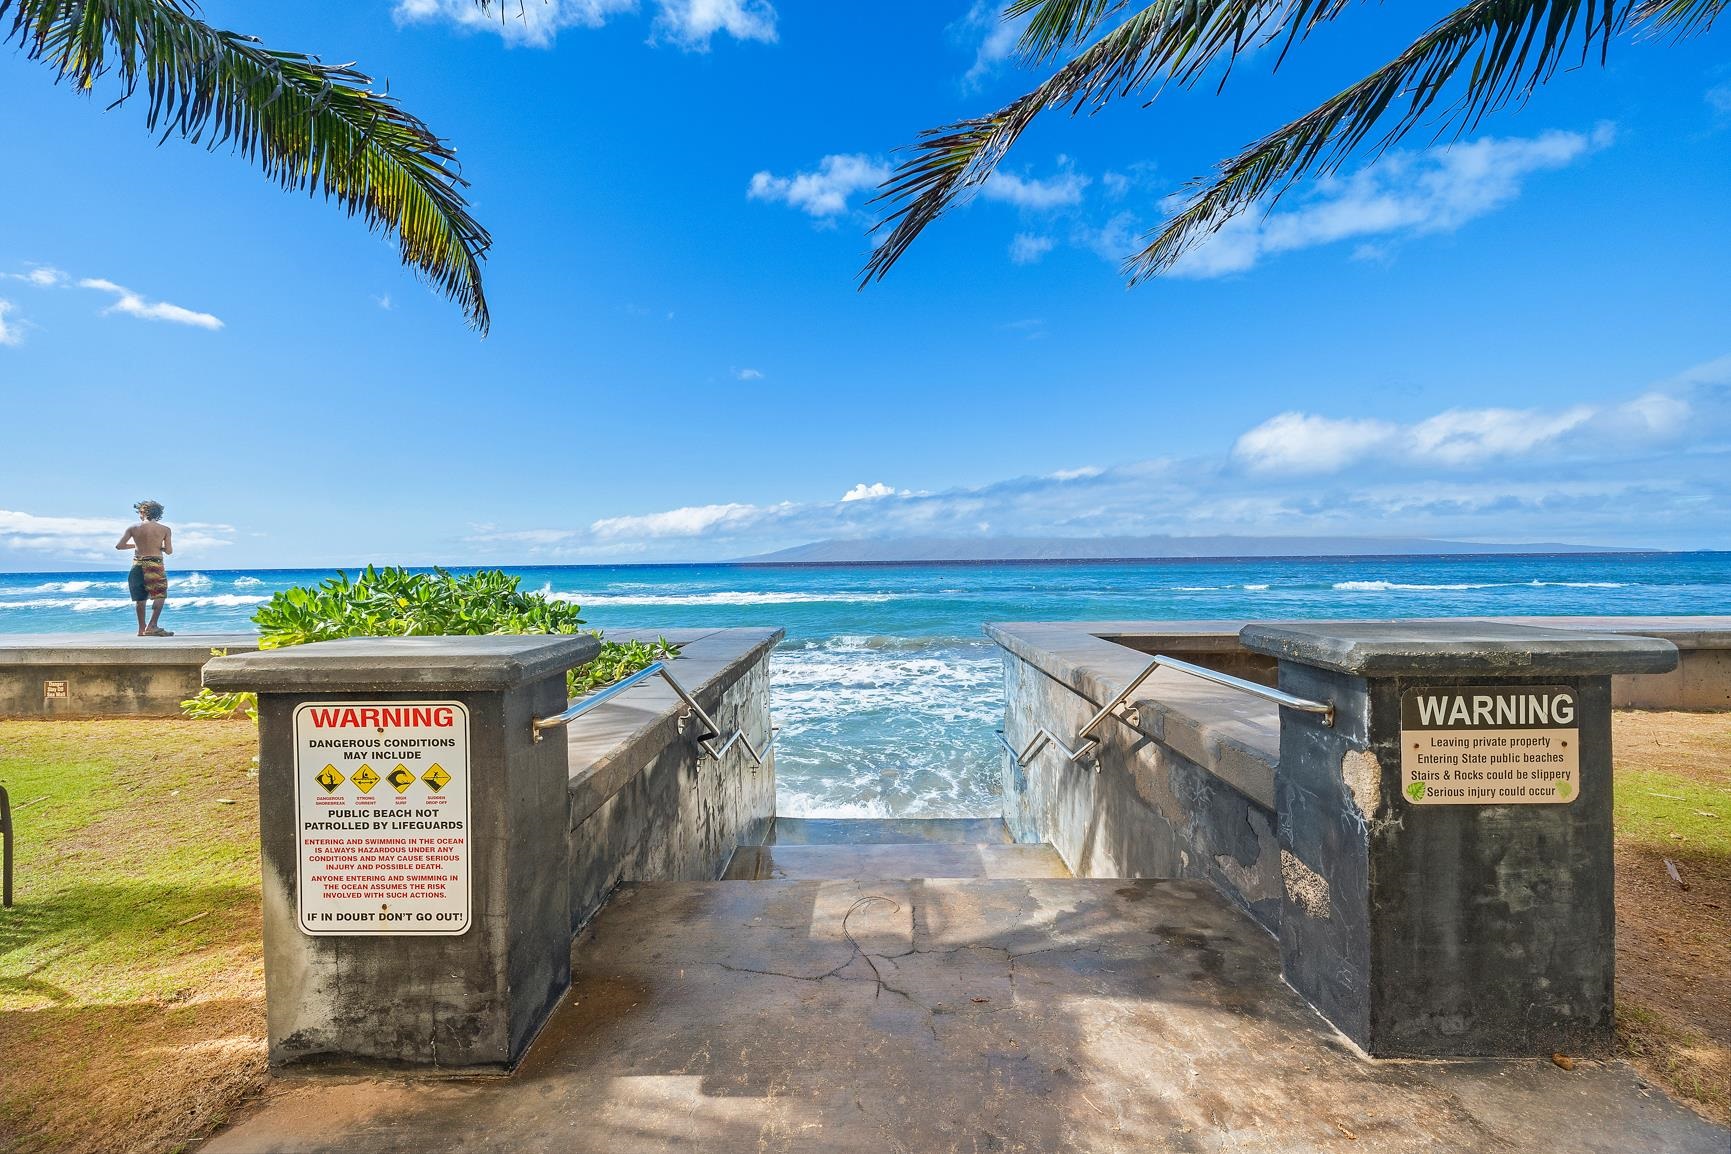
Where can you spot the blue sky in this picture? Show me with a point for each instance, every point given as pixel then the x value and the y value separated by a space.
pixel 1524 336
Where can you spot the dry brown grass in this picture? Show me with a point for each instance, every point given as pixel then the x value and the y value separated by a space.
pixel 131 983
pixel 1674 944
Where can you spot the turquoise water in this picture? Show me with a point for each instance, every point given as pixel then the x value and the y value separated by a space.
pixel 886 691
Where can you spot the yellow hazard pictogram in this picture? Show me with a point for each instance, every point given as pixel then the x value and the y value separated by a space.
pixel 400 778
pixel 330 777
pixel 364 778
pixel 435 777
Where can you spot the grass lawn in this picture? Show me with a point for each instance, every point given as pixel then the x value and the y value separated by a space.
pixel 1674 944
pixel 131 977
pixel 131 986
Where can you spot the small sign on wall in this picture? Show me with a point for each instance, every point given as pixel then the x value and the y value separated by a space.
pixel 1490 745
pixel 56 690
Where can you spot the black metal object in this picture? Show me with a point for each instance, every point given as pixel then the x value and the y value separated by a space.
pixel 5 848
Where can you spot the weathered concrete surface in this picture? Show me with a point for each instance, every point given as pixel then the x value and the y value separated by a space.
pixel 490 663
pixel 1185 791
pixel 644 805
pixel 106 675
pixel 460 1002
pixel 890 862
pixel 1444 930
pixel 1466 646
pixel 956 1016
pixel 1701 681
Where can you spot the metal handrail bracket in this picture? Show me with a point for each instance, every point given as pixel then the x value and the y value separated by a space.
pixel 691 709
pixel 1088 744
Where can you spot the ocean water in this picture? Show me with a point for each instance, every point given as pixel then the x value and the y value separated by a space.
pixel 885 689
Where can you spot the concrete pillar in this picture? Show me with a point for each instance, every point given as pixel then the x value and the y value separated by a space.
pixel 416 892
pixel 1446 843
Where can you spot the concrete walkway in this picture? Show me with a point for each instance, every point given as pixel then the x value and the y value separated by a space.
pixel 969 1014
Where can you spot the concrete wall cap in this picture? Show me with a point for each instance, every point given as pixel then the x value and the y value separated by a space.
pixel 1464 647
pixel 117 648
pixel 387 664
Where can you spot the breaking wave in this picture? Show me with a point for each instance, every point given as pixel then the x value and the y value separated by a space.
pixel 723 598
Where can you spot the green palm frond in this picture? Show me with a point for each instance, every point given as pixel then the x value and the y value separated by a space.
pixel 1169 40
pixel 310 126
pixel 1481 57
pixel 1683 17
pixel 1511 46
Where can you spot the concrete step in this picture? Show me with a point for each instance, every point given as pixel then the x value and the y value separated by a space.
pixel 1044 1016
pixel 889 831
pixel 893 862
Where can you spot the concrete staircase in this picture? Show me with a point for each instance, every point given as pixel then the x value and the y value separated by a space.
pixel 807 849
pixel 929 987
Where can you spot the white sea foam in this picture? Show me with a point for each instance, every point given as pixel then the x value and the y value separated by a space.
pixel 193 581
pixel 722 598
pixel 246 582
pixel 65 587
pixel 878 726
pixel 1255 588
pixel 107 604
pixel 1406 587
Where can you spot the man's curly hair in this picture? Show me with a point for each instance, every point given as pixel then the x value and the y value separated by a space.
pixel 150 510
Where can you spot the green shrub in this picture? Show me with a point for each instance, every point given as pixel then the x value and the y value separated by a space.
pixel 394 602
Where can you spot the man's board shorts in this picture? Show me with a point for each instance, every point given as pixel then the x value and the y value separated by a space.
pixel 148 580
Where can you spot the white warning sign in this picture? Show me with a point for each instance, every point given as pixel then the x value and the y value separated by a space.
pixel 1490 745
pixel 382 816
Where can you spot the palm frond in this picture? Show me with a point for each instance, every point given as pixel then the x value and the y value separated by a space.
pixel 310 126
pixel 1513 46
pixel 1166 40
pixel 1682 17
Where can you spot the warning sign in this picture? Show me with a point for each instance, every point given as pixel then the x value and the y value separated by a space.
pixel 392 863
pixel 1490 745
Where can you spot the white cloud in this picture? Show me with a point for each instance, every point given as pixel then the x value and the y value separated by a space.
pixel 1648 468
pixel 749 375
pixel 691 521
pixel 384 302
pixel 1028 192
pixel 1305 443
pixel 92 538
pixel 1466 436
pixel 822 194
pixel 42 276
pixel 533 22
pixel 1300 442
pixel 864 492
pixel 993 38
pixel 11 333
pixel 1719 99
pixel 1115 240
pixel 130 303
pixel 1027 248
pixel 691 23
pixel 1403 194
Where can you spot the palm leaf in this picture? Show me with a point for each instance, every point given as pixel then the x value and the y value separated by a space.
pixel 1168 40
pixel 1512 47
pixel 308 125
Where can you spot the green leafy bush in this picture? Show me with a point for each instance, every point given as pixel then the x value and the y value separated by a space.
pixel 395 602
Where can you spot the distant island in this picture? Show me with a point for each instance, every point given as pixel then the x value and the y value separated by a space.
pixel 905 549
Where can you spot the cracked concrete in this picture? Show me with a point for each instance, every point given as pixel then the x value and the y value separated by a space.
pixel 955 1015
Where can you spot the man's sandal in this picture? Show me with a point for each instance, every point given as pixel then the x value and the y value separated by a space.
pixel 158 632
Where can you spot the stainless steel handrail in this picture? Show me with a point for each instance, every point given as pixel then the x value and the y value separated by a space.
pixel 1041 737
pixel 1088 743
pixel 656 669
pixel 1279 697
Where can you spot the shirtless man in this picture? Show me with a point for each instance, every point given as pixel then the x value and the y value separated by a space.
pixel 150 541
